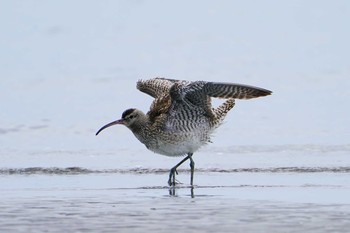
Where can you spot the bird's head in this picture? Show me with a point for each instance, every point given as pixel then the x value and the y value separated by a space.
pixel 130 118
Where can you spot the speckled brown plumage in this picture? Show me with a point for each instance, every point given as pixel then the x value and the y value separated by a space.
pixel 181 117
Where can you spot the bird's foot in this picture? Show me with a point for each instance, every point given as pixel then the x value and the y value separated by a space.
pixel 172 180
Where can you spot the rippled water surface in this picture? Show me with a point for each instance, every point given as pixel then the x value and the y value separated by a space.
pixel 282 196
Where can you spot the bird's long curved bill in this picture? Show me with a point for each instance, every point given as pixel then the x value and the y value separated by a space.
pixel 117 122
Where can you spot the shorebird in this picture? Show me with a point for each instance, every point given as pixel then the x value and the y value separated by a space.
pixel 181 118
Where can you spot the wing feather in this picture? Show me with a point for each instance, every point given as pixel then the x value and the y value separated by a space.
pixel 232 90
pixel 155 87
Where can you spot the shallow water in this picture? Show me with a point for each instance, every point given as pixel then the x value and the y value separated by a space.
pixel 153 209
pixel 280 197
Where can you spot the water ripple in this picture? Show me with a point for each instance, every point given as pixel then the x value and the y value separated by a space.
pixel 81 171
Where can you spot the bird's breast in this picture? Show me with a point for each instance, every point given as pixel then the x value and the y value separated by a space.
pixel 176 148
pixel 174 143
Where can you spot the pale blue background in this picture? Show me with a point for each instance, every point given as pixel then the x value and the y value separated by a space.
pixel 68 67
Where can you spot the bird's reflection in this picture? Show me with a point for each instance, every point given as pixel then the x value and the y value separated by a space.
pixel 173 191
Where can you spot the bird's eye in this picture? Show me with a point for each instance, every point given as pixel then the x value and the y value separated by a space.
pixel 131 117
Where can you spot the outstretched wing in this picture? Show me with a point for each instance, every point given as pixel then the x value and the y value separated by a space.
pixel 197 91
pixel 156 87
pixel 232 90
pixel 197 95
pixel 185 102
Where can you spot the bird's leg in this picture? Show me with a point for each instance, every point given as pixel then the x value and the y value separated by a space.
pixel 192 166
pixel 171 180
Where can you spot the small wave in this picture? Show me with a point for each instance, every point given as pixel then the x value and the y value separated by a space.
pixel 44 170
pixel 306 148
pixel 82 171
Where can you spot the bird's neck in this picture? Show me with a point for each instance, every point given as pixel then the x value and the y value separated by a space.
pixel 141 129
pixel 140 125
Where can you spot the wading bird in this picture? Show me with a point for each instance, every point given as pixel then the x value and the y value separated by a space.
pixel 181 117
